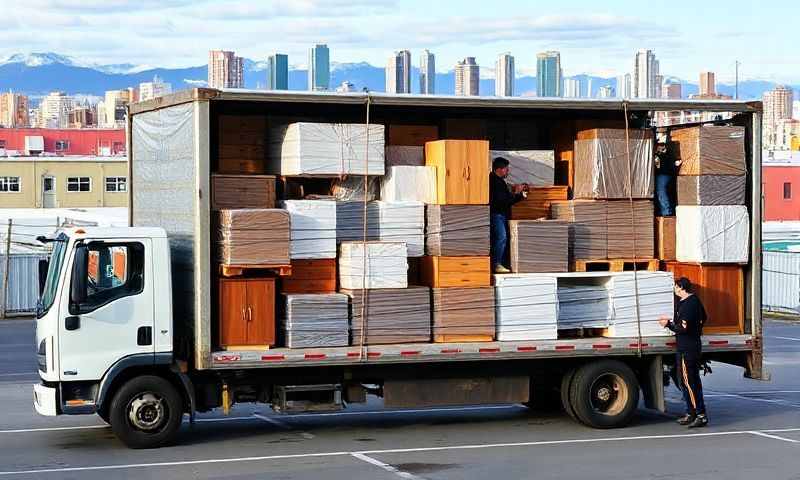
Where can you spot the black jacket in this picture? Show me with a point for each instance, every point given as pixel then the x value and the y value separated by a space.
pixel 500 197
pixel 688 324
pixel 666 163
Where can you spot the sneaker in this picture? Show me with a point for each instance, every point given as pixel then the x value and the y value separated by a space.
pixel 501 269
pixel 686 419
pixel 700 421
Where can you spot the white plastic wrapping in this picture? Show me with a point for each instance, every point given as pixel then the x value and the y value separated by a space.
pixel 386 265
pixel 583 306
pixel 316 320
pixel 712 234
pixel 313 228
pixel 526 307
pixel 656 300
pixel 402 222
pixel 534 167
pixel 326 149
pixel 406 183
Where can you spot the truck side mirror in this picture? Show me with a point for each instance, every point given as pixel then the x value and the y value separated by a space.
pixel 78 283
pixel 44 265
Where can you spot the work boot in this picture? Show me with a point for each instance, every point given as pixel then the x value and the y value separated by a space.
pixel 686 419
pixel 700 421
pixel 501 269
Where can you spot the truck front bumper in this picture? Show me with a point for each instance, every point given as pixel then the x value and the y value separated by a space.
pixel 44 400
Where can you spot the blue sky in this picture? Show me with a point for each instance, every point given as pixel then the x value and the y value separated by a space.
pixel 598 37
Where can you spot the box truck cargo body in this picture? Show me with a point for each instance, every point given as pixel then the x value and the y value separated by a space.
pixel 148 349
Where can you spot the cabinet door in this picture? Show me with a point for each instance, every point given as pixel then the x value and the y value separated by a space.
pixel 232 312
pixel 261 313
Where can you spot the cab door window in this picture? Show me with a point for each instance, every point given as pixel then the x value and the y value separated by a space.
pixel 111 271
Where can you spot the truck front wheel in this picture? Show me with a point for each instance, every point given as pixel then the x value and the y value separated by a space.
pixel 146 412
pixel 604 394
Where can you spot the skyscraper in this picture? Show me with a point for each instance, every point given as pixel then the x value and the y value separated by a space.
pixel 624 86
pixel 467 77
pixel 645 71
pixel 672 90
pixel 606 91
pixel 777 107
pixel 13 110
pixel 114 105
pixel 398 72
pixel 572 88
pixel 589 87
pixel 225 69
pixel 156 88
pixel 319 68
pixel 54 110
pixel 548 74
pixel 504 76
pixel 278 72
pixel 427 73
pixel 708 85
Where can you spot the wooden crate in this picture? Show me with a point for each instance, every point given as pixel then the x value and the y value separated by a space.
pixel 455 271
pixel 311 276
pixel 462 168
pixel 665 238
pixel 616 265
pixel 411 135
pixel 537 205
pixel 246 313
pixel 242 191
pixel 720 287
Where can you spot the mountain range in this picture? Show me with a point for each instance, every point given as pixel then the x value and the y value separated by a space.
pixel 36 74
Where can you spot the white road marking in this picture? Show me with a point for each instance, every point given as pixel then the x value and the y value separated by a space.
pixel 53 429
pixel 752 399
pixel 764 392
pixel 386 466
pixel 774 437
pixel 395 450
pixel 787 338
pixel 273 421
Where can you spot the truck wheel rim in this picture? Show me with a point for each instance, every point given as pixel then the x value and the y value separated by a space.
pixel 147 411
pixel 608 394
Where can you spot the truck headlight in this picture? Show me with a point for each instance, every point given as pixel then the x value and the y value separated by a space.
pixel 41 356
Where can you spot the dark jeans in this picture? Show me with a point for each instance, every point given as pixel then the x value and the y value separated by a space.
pixel 662 195
pixel 688 371
pixel 499 233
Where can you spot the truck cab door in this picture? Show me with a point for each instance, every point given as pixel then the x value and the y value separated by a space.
pixel 108 310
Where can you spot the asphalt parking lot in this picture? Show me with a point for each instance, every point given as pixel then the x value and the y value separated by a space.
pixel 754 434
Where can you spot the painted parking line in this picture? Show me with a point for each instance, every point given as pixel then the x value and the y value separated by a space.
pixel 784 403
pixel 385 466
pixel 794 339
pixel 370 453
pixel 775 437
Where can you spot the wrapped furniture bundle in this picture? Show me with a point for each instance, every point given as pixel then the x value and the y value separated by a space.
pixel 534 167
pixel 712 234
pixel 711 189
pixel 602 168
pixel 386 265
pixel 252 237
pixel 316 320
pixel 457 230
pixel 539 246
pixel 394 315
pixel 313 228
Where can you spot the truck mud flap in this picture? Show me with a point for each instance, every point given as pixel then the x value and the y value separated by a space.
pixel 652 383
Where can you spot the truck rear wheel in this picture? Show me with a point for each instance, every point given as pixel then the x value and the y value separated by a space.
pixel 604 394
pixel 146 412
pixel 566 402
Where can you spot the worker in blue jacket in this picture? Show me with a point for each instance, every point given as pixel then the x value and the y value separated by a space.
pixel 688 327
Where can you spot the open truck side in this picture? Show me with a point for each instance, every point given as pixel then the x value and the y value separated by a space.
pixel 158 360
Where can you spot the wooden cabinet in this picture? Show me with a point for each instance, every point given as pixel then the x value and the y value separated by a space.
pixel 311 276
pixel 462 171
pixel 721 289
pixel 455 271
pixel 246 312
pixel 665 238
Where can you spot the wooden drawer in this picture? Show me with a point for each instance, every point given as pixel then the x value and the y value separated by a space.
pixel 721 290
pixel 311 276
pixel 455 271
pixel 462 168
pixel 246 312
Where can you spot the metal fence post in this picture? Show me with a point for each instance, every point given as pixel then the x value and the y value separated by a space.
pixel 6 272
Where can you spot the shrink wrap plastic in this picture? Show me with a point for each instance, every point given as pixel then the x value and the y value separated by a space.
pixel 534 167
pixel 712 234
pixel 252 237
pixel 316 320
pixel 313 229
pixel 539 246
pixel 405 183
pixel 394 315
pixel 526 307
pixel 386 265
pixel 601 164
pixel 709 150
pixel 463 311
pixel 457 230
pixel 711 189
pixel 351 188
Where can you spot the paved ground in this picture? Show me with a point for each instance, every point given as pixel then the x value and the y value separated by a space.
pixel 755 434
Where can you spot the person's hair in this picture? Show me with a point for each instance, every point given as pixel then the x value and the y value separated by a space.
pixel 685 284
pixel 499 162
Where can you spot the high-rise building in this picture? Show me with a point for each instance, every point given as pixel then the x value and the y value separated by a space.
pixel 346 87
pixel 645 73
pixel 467 77
pixel 225 70
pixel 572 88
pixel 589 87
pixel 278 72
pixel 398 72
pixel 548 74
pixel 504 76
pixel 13 110
pixel 606 91
pixel 54 110
pixel 671 90
pixel 114 106
pixel 777 107
pixel 81 116
pixel 708 85
pixel 154 89
pixel 427 73
pixel 624 86
pixel 319 68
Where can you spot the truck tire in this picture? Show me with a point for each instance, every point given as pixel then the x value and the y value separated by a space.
pixel 604 394
pixel 566 403
pixel 146 412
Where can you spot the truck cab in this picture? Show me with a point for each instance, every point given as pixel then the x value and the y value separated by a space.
pixel 105 310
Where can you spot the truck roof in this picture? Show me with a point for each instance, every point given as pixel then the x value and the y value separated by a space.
pixel 115 232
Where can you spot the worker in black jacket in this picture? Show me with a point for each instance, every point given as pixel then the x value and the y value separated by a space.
pixel 688 327
pixel 500 200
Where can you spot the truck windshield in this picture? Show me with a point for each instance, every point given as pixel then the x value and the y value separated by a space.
pixel 51 284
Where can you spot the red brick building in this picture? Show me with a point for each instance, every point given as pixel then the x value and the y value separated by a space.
pixel 49 142
pixel 781 188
